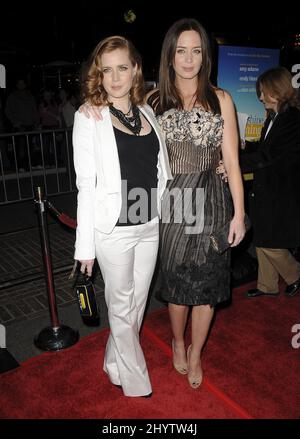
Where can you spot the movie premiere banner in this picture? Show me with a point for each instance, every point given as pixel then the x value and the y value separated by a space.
pixel 238 70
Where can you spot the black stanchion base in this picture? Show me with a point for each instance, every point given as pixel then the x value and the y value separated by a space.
pixel 55 339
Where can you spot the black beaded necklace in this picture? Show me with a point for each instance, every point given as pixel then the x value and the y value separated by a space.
pixel 133 123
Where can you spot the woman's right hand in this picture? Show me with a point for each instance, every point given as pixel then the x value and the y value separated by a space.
pixel 87 266
pixel 221 170
pixel 242 144
pixel 91 111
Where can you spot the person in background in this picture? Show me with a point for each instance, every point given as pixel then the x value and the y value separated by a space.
pixel 275 161
pixel 21 111
pixel 67 107
pixel 118 157
pixel 50 120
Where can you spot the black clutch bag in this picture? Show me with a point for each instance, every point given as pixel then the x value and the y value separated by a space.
pixel 87 301
pixel 219 238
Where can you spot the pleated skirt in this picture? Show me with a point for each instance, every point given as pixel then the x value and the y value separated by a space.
pixel 192 273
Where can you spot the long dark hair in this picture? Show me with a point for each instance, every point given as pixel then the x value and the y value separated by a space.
pixel 277 83
pixel 169 94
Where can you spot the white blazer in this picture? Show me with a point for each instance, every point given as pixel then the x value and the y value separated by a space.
pixel 98 177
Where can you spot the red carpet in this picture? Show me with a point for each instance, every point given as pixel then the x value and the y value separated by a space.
pixel 251 370
pixel 249 355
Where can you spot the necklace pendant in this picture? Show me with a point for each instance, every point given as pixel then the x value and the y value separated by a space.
pixel 133 123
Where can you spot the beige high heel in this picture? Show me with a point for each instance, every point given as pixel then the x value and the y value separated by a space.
pixel 194 382
pixel 181 368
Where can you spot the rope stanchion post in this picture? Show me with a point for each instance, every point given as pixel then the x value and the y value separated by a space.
pixel 56 336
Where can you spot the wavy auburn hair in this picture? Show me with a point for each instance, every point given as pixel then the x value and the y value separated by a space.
pixel 277 83
pixel 92 89
pixel 170 96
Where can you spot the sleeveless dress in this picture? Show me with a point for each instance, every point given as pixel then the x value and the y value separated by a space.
pixel 192 273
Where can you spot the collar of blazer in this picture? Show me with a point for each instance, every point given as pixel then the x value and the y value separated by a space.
pixel 110 151
pixel 149 114
pixel 163 155
pixel 273 128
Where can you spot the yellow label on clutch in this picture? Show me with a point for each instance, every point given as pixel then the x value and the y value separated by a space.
pixel 248 177
pixel 82 301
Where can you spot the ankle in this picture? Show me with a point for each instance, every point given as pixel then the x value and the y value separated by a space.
pixel 178 343
pixel 193 357
pixel 195 351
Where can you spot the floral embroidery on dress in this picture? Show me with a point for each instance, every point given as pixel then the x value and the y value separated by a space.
pixel 199 126
pixel 192 273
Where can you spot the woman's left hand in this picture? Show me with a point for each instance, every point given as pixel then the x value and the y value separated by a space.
pixel 87 266
pixel 91 111
pixel 237 231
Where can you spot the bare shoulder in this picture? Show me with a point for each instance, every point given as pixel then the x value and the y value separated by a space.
pixel 226 102
pixel 223 96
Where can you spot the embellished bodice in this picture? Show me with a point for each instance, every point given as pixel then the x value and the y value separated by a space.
pixel 193 139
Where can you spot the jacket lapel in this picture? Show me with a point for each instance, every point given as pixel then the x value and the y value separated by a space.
pixel 264 129
pixel 109 153
pixel 274 128
pixel 163 155
pixel 110 157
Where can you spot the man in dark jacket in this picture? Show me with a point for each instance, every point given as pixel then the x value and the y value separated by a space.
pixel 275 161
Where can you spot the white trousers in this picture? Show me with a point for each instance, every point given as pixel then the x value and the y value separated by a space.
pixel 127 259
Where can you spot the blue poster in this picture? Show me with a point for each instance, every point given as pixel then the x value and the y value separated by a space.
pixel 238 70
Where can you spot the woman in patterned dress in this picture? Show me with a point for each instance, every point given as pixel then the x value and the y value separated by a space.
pixel 199 124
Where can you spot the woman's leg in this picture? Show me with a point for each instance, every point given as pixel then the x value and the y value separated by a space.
pixel 178 318
pixel 124 358
pixel 201 320
pixel 144 265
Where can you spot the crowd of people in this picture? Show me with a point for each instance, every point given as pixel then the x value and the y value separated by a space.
pixel 22 112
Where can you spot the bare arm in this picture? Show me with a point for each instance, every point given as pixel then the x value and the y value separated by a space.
pixel 231 163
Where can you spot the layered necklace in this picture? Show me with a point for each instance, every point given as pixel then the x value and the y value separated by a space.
pixel 133 123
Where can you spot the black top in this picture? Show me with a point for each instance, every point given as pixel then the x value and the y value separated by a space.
pixel 138 156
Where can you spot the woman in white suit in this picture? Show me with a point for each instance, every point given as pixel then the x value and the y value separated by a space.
pixel 122 169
